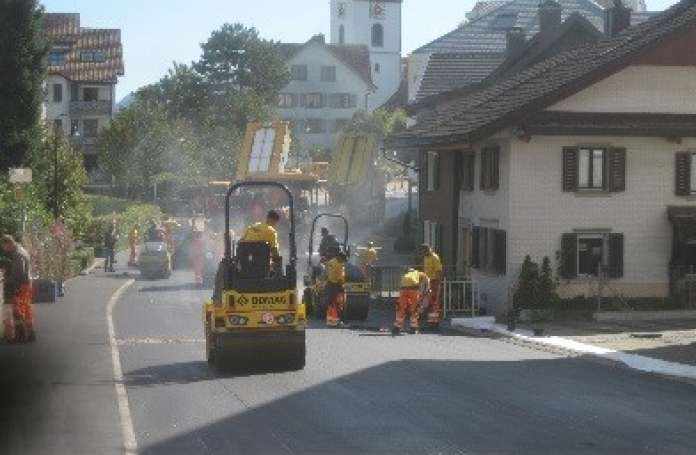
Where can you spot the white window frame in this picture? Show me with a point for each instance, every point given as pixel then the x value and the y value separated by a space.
pixel 591 168
pixel 262 150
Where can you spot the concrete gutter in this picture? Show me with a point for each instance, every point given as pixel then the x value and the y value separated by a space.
pixel 637 362
pixel 622 316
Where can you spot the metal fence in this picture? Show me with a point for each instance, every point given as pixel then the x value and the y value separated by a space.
pixel 460 298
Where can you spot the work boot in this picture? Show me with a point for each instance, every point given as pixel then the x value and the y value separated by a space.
pixel 395 331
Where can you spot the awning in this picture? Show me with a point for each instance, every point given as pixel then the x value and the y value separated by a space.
pixel 353 159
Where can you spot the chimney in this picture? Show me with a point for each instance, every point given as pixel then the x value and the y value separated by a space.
pixel 617 18
pixel 319 38
pixel 515 41
pixel 549 17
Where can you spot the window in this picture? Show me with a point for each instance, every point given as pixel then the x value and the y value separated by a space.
pixel 490 169
pixel 343 100
pixel 90 127
pixel 56 58
pixel 74 92
pixel 57 93
pixel 378 68
pixel 74 127
pixel 341 35
pixel 328 74
pixel 468 163
pixel 92 56
pixel 90 94
pixel 433 171
pixel 287 100
pixel 340 124
pixel 313 100
pixel 377 35
pixel 299 72
pixel 589 254
pixel 489 250
pixel 685 170
pixel 58 126
pixel 314 126
pixel 261 150
pixel 594 169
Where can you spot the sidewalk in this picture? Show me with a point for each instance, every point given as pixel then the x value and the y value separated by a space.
pixel 57 395
pixel 665 347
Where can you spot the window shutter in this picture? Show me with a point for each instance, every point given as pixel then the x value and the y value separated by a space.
pixel 436 171
pixel 495 168
pixel 683 174
pixel 569 256
pixel 500 252
pixel 570 169
pixel 424 172
pixel 617 170
pixel 483 174
pixel 616 255
pixel 303 100
pixel 438 238
pixel 475 259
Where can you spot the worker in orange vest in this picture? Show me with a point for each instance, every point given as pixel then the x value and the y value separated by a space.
pixel 413 285
pixel 335 288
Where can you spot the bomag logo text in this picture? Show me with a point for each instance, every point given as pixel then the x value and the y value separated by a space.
pixel 282 300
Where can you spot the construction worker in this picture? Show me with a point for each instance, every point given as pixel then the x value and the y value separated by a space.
pixel 329 244
pixel 265 232
pixel 197 255
pixel 368 258
pixel 133 240
pixel 335 288
pixel 432 266
pixel 413 284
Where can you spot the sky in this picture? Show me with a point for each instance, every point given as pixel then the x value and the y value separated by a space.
pixel 156 33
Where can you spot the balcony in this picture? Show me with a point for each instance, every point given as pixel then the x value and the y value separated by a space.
pixel 89 108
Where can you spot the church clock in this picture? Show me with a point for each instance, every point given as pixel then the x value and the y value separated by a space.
pixel 377 9
pixel 341 9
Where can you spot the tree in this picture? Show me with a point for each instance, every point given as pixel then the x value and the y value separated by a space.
pixel 548 297
pixel 526 295
pixel 23 55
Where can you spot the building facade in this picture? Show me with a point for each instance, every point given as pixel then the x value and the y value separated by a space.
pixel 84 65
pixel 376 24
pixel 591 164
pixel 329 83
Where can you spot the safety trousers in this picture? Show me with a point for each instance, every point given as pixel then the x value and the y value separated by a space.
pixel 18 317
pixel 434 310
pixel 408 305
pixel 337 303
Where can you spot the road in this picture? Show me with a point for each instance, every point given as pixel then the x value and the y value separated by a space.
pixel 363 392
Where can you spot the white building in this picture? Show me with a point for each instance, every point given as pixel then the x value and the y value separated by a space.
pixel 329 83
pixel 587 158
pixel 376 24
pixel 84 65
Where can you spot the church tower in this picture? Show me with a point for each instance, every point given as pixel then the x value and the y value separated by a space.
pixel 377 25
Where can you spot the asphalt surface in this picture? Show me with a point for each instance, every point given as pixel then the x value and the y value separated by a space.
pixel 362 391
pixel 366 392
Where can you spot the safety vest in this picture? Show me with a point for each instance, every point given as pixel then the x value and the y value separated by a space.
pixel 432 266
pixel 262 232
pixel 336 271
pixel 412 279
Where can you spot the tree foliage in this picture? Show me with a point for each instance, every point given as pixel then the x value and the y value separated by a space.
pixel 22 58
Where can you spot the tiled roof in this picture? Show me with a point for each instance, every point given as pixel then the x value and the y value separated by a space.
pixel 624 124
pixel 65 30
pixel 356 57
pixel 471 118
pixel 487 32
pixel 450 71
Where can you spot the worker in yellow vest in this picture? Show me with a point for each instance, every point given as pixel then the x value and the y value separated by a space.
pixel 432 266
pixel 335 288
pixel 413 284
pixel 368 258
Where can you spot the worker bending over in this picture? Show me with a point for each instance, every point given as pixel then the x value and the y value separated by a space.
pixel 432 266
pixel 368 258
pixel 265 232
pixel 414 284
pixel 335 288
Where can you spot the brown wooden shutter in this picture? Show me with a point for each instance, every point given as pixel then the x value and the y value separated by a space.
pixel 569 256
pixel 475 247
pixel 570 169
pixel 683 174
pixel 482 172
pixel 617 170
pixel 423 171
pixel 495 168
pixel 436 174
pixel 468 172
pixel 616 256
pixel 500 252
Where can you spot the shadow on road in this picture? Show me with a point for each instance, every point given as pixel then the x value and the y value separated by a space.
pixel 172 287
pixel 448 407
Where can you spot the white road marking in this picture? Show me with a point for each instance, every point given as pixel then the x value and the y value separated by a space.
pixel 129 442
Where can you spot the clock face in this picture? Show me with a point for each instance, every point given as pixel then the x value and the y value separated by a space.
pixel 378 9
pixel 341 9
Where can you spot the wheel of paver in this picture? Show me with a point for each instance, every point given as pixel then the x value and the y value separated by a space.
pixel 308 302
pixel 297 358
pixel 210 350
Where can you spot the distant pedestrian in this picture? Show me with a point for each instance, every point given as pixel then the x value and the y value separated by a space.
pixel 110 241
pixel 17 312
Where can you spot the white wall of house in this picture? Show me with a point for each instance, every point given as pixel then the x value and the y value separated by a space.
pixel 315 56
pixel 53 109
pixel 638 89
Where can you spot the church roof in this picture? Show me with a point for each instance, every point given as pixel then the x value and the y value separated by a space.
pixel 486 33
pixel 450 71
